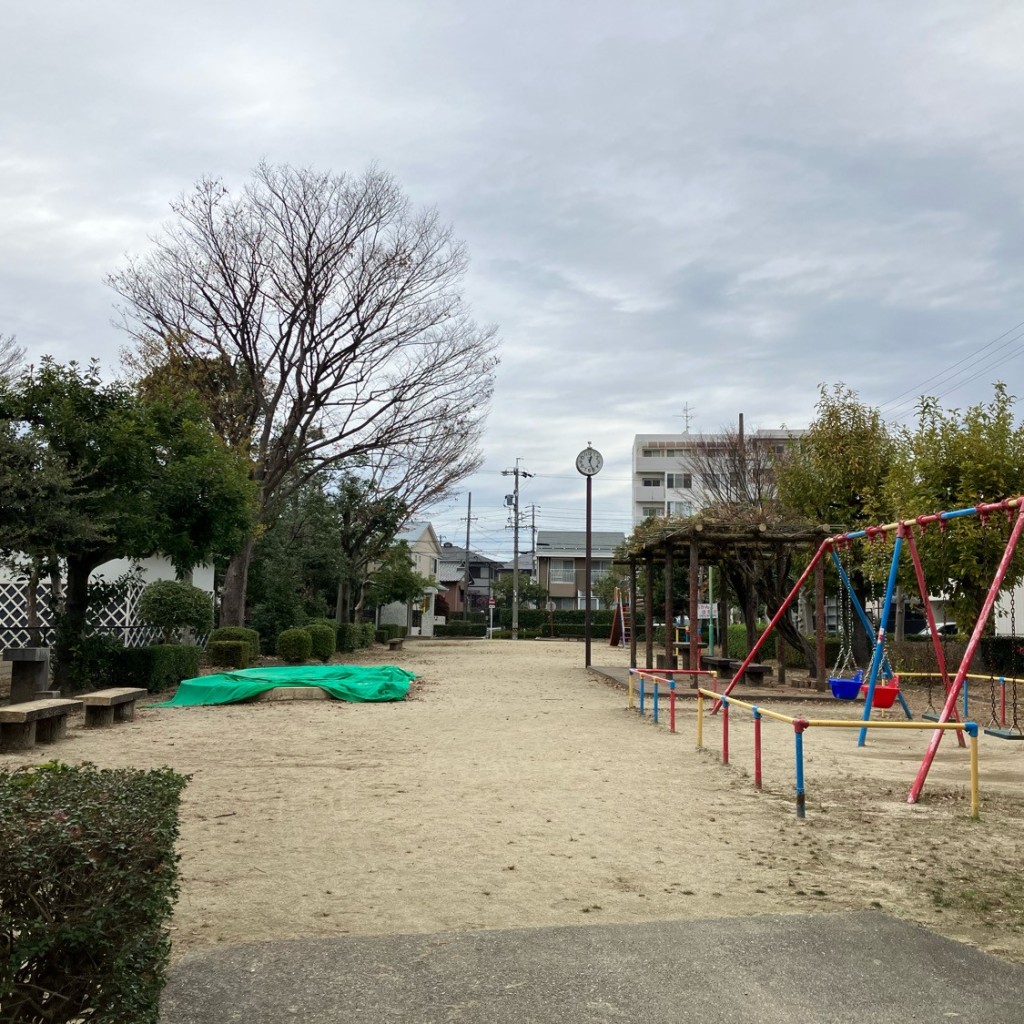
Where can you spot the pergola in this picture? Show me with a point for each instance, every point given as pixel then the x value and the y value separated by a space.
pixel 689 541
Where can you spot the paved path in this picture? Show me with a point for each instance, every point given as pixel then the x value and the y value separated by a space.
pixel 828 969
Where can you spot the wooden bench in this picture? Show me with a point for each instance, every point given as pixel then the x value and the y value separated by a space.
pixel 395 643
pixel 105 707
pixel 34 721
pixel 719 664
pixel 755 674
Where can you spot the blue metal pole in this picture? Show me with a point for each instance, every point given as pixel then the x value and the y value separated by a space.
pixel 654 704
pixel 801 799
pixel 641 696
pixel 876 658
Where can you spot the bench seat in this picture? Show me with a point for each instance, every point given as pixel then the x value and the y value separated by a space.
pixel 395 643
pixel 105 707
pixel 34 721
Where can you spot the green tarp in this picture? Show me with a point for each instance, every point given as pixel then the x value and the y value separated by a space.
pixel 344 682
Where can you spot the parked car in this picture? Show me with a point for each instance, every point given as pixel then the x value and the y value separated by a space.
pixel 942 628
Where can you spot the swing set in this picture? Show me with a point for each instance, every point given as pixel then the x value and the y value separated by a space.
pixel 904 536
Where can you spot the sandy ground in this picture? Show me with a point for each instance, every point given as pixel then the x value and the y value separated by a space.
pixel 514 789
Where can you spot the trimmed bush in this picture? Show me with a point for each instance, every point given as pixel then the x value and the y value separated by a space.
pixel 392 631
pixel 322 640
pixel 369 634
pixel 294 645
pixel 174 607
pixel 159 667
pixel 349 636
pixel 89 879
pixel 329 623
pixel 228 653
pixel 250 636
pixel 460 628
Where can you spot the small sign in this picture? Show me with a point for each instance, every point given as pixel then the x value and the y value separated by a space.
pixel 490 602
pixel 704 611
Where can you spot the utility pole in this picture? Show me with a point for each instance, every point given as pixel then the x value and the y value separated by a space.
pixel 467 577
pixel 517 473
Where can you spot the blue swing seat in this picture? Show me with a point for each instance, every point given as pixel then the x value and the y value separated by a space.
pixel 846 689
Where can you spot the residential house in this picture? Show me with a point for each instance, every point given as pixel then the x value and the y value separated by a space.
pixel 482 573
pixel 561 564
pixel 425 552
pixel 118 618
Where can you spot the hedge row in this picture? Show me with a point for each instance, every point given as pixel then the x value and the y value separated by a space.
pixel 157 668
pixel 89 879
pixel 461 628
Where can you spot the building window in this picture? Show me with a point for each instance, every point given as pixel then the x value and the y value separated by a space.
pixel 680 508
pixel 652 481
pixel 651 510
pixel 563 570
pixel 599 568
pixel 652 453
pixel 680 481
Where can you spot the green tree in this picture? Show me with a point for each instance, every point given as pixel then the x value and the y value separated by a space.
pixel 395 579
pixel 949 460
pixel 110 476
pixel 174 606
pixel 531 594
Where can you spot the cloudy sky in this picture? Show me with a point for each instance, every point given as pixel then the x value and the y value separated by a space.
pixel 706 206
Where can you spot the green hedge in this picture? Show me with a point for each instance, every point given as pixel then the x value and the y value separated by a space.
pixel 350 637
pixel 369 634
pixel 390 631
pixel 157 668
pixel 323 640
pixel 538 618
pixel 1002 655
pixel 228 653
pixel 89 879
pixel 294 645
pixel 461 628
pixel 250 636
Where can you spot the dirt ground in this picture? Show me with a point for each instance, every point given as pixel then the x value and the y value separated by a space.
pixel 514 789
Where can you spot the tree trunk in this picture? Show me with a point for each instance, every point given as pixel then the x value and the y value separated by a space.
pixel 236 582
pixel 71 625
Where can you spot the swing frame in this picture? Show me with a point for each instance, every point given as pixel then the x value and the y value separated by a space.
pixel 904 530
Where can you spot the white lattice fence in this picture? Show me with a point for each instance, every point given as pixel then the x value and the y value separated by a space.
pixel 118 618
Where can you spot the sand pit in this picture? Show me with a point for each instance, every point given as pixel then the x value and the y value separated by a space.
pixel 514 789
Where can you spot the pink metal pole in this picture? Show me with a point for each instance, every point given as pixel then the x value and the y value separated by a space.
pixel 757 749
pixel 972 646
pixel 825 544
pixel 922 586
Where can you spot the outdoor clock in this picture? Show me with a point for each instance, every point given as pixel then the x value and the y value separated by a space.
pixel 589 461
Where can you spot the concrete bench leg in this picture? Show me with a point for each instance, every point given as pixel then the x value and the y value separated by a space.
pixel 49 730
pixel 125 712
pixel 17 736
pixel 96 717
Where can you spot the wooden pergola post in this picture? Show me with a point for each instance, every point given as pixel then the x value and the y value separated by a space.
pixel 669 630
pixel 694 635
pixel 632 614
pixel 649 611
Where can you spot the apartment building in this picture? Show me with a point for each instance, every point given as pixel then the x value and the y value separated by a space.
pixel 679 474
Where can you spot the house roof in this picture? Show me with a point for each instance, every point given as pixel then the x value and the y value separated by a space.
pixel 573 543
pixel 453 553
pixel 415 530
pixel 451 572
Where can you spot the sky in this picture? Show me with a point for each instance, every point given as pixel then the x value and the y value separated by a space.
pixel 675 211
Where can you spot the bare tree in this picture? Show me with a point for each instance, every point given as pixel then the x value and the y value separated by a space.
pixel 342 306
pixel 12 356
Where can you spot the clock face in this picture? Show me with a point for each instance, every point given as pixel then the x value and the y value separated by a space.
pixel 589 461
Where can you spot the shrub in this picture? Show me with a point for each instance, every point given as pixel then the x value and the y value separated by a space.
pixel 250 636
pixel 322 640
pixel 460 628
pixel 369 634
pixel 294 645
pixel 391 631
pixel 228 653
pixel 159 667
pixel 173 607
pixel 89 878
pixel 329 623
pixel 95 658
pixel 349 637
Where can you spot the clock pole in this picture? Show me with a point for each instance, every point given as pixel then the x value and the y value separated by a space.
pixel 586 573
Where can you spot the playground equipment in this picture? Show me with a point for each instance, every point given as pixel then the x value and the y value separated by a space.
pixel 903 532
